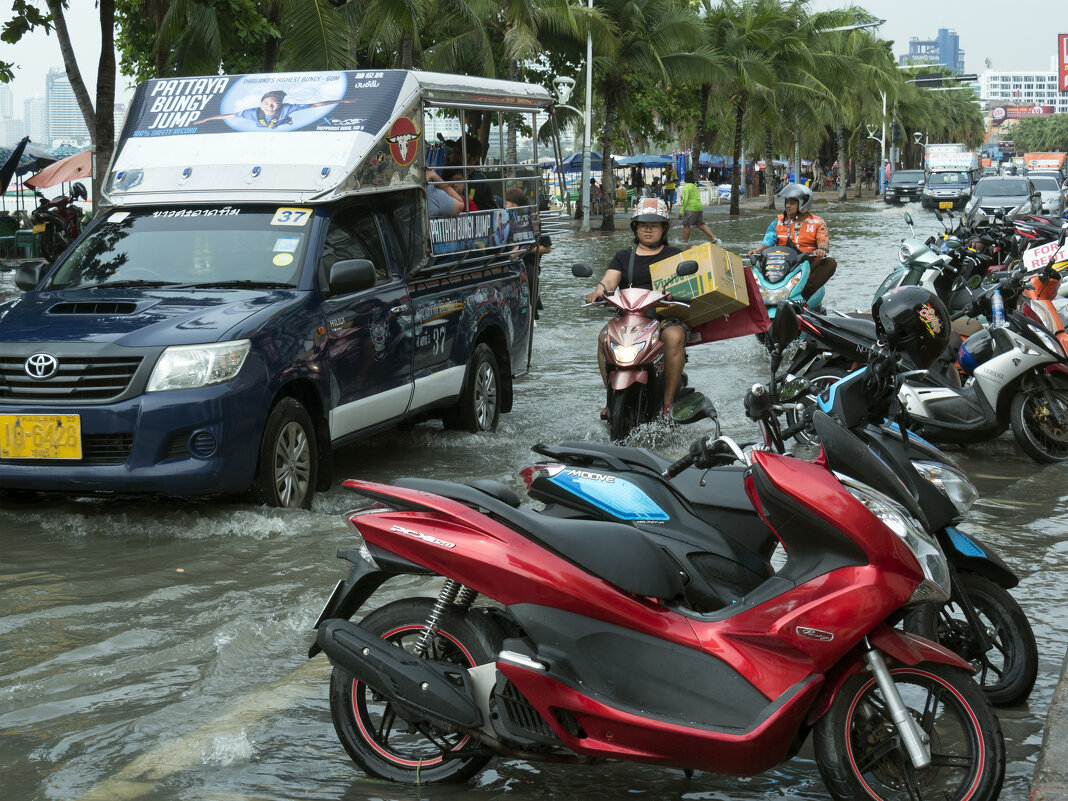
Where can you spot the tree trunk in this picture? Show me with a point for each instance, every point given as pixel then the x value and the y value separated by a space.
pixel 406 52
pixel 739 116
pixel 770 178
pixel 608 177
pixel 104 121
pixel 701 132
pixel 70 64
pixel 862 147
pixel 840 134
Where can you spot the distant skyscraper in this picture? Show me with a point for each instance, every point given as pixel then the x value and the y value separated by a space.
pixel 65 122
pixel 7 102
pixel 11 131
pixel 35 115
pixel 944 49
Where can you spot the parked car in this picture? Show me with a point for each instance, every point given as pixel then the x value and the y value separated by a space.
pixel 904 186
pixel 1005 193
pixel 947 190
pixel 1051 190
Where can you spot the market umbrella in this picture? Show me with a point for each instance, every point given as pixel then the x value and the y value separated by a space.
pixel 33 157
pixel 11 162
pixel 80 165
pixel 573 163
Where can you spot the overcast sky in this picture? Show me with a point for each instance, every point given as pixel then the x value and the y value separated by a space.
pixel 1020 39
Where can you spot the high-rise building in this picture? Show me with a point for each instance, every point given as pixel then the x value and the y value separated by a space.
pixel 35 115
pixel 944 49
pixel 7 102
pixel 1022 88
pixel 11 130
pixel 65 122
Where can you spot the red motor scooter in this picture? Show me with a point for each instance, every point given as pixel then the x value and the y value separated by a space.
pixel 588 649
pixel 632 353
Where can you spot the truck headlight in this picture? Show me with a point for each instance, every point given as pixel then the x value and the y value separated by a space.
pixel 953 483
pixel 191 366
pixel 935 585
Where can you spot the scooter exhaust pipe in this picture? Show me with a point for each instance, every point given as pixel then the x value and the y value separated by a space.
pixel 437 692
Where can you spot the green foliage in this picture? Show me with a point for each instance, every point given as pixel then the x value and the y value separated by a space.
pixel 1042 134
pixel 25 17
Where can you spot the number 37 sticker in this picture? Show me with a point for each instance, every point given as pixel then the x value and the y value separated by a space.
pixel 291 216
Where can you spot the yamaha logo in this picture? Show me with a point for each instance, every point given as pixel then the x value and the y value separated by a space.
pixel 41 366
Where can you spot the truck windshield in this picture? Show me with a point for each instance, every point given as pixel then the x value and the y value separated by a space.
pixel 948 178
pixel 189 247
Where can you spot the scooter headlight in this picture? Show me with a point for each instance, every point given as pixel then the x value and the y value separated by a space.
pixel 625 354
pixel 904 253
pixel 953 483
pixel 1049 341
pixel 935 585
pixel 782 293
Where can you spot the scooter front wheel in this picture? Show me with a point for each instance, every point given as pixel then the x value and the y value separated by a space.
pixel 625 410
pixel 860 755
pixel 375 732
pixel 1039 420
pixel 1007 671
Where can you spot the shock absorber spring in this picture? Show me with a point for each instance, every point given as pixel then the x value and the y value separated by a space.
pixel 445 598
pixel 465 598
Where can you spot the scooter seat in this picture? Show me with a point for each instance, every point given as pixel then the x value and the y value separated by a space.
pixel 860 326
pixel 620 554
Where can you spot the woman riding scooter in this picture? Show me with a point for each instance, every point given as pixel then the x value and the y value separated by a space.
pixel 630 268
pixel 806 231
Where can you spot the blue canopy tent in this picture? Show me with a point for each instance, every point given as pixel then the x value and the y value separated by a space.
pixel 644 160
pixel 573 163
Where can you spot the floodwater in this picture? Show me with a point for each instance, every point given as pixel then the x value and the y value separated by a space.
pixel 155 649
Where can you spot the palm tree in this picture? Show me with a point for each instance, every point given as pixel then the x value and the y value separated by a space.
pixel 658 39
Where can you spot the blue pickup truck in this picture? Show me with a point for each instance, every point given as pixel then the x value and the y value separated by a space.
pixel 264 289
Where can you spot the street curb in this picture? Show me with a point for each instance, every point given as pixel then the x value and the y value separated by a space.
pixel 1050 782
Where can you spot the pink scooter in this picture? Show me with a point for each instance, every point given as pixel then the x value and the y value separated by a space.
pixel 633 355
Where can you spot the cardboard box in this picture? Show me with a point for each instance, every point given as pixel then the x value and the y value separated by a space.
pixel 716 289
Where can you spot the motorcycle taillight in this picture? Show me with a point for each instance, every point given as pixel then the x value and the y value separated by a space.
pixel 533 472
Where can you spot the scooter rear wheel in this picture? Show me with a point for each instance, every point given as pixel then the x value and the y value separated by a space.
pixel 859 753
pixel 373 730
pixel 1035 423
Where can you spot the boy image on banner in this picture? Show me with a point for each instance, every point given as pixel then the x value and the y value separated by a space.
pixel 273 111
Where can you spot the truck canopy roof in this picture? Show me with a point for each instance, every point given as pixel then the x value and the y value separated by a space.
pixel 289 137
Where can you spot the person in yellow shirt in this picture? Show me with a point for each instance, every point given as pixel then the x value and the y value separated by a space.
pixel 669 188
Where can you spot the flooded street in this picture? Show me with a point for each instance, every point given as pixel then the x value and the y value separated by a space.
pixel 155 649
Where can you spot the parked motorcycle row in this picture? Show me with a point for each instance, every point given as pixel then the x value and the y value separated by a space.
pixel 640 608
pixel 56 222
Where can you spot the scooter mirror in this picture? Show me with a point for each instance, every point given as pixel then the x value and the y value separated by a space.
pixel 691 408
pixel 785 328
pixel 793 388
pixel 908 218
pixel 581 270
pixel 688 267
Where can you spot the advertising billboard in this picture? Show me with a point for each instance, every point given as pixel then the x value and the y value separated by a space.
pixel 1062 62
pixel 999 114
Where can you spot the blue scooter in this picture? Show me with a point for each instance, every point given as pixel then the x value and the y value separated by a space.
pixel 782 273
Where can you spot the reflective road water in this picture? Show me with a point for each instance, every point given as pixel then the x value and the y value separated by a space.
pixel 155 649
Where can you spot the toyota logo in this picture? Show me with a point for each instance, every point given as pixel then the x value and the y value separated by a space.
pixel 41 366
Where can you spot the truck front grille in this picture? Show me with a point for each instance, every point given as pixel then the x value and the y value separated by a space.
pixel 77 379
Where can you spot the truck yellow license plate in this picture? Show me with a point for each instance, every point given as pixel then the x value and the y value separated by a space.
pixel 946 204
pixel 40 436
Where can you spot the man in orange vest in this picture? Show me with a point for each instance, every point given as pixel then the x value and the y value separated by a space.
pixel 807 232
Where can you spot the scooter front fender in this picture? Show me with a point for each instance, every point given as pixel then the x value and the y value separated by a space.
pixel 898 646
pixel 621 379
pixel 964 553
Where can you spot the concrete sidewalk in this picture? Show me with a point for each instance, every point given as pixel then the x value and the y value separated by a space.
pixel 1050 782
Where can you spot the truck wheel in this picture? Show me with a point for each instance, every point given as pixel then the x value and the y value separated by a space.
pixel 289 458
pixel 479 407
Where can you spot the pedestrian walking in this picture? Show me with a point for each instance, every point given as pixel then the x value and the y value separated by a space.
pixel 691 210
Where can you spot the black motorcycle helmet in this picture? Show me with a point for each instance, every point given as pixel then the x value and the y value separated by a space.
pixel 77 192
pixel 913 322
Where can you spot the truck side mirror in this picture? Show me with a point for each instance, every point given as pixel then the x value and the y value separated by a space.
pixel 29 274
pixel 351 275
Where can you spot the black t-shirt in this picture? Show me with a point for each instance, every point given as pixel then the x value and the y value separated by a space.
pixel 480 193
pixel 640 277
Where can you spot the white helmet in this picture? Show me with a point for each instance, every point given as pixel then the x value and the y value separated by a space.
pixel 651 209
pixel 799 192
